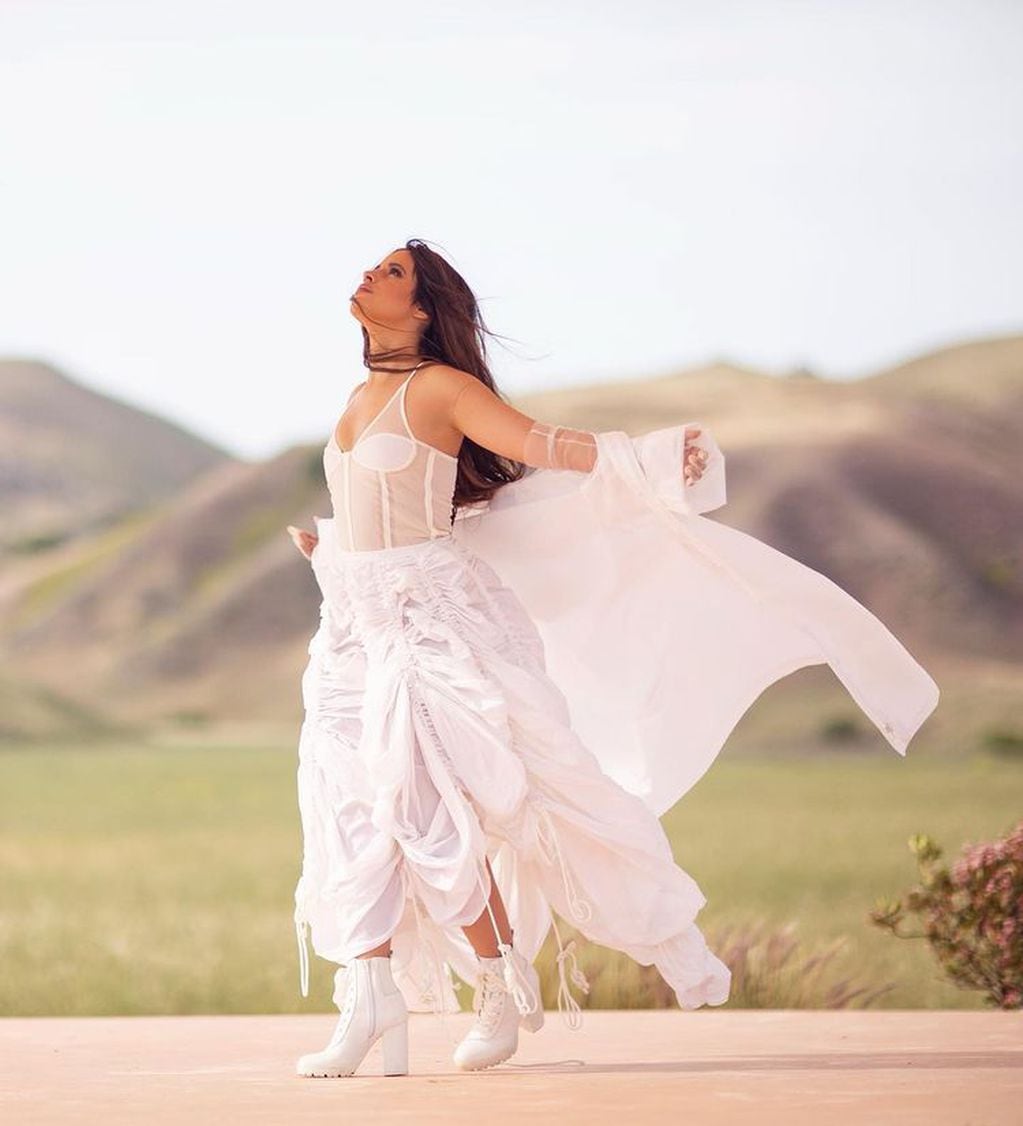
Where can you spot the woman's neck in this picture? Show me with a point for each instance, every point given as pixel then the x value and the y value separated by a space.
pixel 397 366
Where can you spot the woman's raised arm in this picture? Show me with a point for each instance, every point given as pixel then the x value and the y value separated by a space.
pixel 490 422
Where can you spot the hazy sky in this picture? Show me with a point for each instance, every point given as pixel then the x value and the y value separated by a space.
pixel 189 190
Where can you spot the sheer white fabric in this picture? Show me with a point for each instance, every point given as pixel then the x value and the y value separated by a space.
pixel 547 446
pixel 661 626
pixel 390 489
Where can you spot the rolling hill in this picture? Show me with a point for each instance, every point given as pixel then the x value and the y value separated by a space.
pixel 902 486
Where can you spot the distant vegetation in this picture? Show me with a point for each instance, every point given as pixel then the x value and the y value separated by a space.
pixel 143 879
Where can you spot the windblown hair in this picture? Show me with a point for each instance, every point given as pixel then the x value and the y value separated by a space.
pixel 456 336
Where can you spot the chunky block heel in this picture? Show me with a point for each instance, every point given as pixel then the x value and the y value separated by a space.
pixel 372 1009
pixel 395 1049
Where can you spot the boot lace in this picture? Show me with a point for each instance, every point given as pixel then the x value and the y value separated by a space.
pixel 489 1001
pixel 347 1009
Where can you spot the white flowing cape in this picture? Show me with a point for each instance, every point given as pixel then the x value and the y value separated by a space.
pixel 660 626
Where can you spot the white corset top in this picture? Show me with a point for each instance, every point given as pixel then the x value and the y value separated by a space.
pixel 390 489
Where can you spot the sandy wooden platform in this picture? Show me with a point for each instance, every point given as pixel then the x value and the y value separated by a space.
pixel 626 1068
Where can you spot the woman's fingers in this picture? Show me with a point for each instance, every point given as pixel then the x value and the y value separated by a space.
pixel 303 540
pixel 695 460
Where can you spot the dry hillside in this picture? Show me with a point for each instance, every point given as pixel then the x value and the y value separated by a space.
pixel 903 487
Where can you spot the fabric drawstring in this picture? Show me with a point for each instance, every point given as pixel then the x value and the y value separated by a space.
pixel 437 999
pixel 568 1006
pixel 515 981
pixel 581 909
pixel 551 850
pixel 301 932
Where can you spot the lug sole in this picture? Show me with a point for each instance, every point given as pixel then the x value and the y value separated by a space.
pixel 484 1066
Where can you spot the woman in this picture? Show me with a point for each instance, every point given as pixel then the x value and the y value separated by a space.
pixel 449 803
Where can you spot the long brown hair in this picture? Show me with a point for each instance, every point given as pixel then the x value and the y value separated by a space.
pixel 456 336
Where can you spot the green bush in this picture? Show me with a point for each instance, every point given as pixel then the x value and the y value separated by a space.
pixel 1004 741
pixel 972 914
pixel 841 729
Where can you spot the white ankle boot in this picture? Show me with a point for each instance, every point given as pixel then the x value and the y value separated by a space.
pixel 507 996
pixel 373 1007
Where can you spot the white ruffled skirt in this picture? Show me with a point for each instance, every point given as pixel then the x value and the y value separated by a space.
pixel 434 739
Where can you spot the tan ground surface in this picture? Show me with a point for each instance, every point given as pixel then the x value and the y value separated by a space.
pixel 705 1068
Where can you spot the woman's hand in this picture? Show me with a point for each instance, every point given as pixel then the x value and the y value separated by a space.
pixel 694 460
pixel 303 540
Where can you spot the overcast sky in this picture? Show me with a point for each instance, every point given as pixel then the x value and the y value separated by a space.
pixel 190 190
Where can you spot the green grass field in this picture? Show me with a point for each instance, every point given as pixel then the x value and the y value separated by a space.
pixel 160 880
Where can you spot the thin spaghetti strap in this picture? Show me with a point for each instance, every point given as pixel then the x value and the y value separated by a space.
pixel 402 409
pixel 397 395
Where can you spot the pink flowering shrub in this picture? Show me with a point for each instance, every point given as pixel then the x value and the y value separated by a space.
pixel 971 914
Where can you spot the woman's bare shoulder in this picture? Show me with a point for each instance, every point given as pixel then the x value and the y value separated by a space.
pixel 446 382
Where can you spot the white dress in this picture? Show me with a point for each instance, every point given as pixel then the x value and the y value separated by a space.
pixel 535 683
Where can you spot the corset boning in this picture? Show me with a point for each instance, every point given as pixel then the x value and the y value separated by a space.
pixel 389 490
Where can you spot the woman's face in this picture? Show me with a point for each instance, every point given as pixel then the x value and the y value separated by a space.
pixel 384 299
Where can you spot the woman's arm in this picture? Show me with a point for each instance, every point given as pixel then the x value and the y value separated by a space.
pixel 490 422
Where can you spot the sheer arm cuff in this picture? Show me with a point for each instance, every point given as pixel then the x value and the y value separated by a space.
pixel 560 447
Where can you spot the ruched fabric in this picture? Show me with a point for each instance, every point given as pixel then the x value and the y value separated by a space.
pixel 433 739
